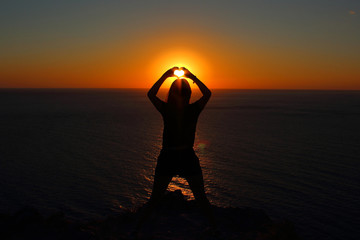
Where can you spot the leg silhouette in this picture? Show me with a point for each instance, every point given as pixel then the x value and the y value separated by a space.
pixel 196 184
pixel 160 185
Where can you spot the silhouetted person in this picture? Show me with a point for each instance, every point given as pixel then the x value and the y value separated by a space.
pixel 177 156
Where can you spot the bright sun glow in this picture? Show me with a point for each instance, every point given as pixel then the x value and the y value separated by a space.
pixel 179 73
pixel 180 57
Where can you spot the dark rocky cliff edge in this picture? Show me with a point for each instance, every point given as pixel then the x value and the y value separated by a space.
pixel 175 219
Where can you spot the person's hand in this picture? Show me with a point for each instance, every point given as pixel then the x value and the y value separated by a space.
pixel 170 72
pixel 188 74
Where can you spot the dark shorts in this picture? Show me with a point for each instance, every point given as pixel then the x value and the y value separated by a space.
pixel 178 162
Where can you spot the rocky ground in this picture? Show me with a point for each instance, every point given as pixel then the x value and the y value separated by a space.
pixel 177 219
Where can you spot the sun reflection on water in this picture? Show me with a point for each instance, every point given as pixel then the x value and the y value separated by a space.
pixel 179 183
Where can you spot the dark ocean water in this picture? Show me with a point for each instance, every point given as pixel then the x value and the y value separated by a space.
pixel 89 153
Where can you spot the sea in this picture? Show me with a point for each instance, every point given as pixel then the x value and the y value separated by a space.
pixel 91 153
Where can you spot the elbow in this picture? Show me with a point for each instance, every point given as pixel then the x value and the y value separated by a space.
pixel 149 94
pixel 208 93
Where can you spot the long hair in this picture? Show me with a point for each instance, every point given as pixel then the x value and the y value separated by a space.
pixel 179 92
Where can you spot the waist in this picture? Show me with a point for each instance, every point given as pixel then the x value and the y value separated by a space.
pixel 177 148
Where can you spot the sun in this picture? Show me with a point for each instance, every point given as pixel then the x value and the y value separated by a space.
pixel 178 57
pixel 179 73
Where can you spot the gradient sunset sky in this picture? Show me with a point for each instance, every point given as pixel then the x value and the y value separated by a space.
pixel 250 44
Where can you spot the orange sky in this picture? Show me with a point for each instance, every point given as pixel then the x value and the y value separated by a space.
pixel 253 56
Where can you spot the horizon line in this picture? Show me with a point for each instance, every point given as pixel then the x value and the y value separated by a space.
pixel 127 88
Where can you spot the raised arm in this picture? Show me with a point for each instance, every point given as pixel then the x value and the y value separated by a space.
pixel 158 103
pixel 203 89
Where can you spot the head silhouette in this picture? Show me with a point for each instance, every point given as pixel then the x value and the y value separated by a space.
pixel 179 92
